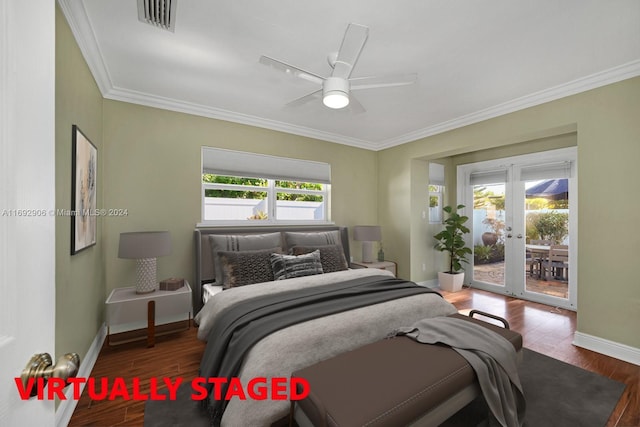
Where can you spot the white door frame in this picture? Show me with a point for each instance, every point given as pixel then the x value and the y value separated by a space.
pixel 27 194
pixel 514 278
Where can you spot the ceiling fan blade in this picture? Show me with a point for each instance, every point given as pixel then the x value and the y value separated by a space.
pixel 355 106
pixel 354 39
pixel 313 96
pixel 383 81
pixel 291 70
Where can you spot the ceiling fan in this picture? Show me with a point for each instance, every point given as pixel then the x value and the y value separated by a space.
pixel 336 89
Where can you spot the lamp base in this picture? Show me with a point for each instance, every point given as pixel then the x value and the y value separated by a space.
pixel 146 275
pixel 367 252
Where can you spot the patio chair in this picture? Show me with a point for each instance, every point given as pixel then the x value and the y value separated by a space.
pixel 533 263
pixel 557 264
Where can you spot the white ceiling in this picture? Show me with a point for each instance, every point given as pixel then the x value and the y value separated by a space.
pixel 474 59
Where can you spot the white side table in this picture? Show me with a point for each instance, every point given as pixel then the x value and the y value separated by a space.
pixel 382 265
pixel 126 308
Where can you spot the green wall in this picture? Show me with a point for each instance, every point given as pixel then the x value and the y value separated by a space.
pixel 80 279
pixel 604 123
pixel 153 166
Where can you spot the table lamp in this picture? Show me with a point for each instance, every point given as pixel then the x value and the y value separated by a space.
pixel 145 247
pixel 367 234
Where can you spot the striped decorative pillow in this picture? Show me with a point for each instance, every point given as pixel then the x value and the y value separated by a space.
pixel 289 266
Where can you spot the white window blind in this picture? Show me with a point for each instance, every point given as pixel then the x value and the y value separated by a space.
pixel 436 174
pixel 546 171
pixel 488 177
pixel 240 163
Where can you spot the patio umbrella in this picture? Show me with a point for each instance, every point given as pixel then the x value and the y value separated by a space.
pixel 552 189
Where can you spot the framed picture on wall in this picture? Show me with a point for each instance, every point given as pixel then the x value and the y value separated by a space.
pixel 84 174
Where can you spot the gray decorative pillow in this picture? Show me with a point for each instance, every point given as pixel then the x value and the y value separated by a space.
pixel 241 268
pixel 232 242
pixel 315 238
pixel 331 256
pixel 289 266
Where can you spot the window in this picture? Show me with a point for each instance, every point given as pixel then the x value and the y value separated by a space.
pixel 435 204
pixel 436 189
pixel 244 187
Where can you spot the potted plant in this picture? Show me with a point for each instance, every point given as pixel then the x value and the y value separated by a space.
pixel 451 240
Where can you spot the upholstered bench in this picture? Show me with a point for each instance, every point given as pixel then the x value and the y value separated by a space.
pixel 393 382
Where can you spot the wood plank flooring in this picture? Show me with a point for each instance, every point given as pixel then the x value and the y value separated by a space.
pixel 544 329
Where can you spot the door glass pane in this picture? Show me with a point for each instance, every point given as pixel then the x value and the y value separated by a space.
pixel 547 248
pixel 488 233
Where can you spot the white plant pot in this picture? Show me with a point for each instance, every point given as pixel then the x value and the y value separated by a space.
pixel 451 282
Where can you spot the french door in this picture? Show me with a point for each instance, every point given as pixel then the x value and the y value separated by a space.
pixel 523 218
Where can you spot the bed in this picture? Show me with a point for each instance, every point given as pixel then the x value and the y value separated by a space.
pixel 312 339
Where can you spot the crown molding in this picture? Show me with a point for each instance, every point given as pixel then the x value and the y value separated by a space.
pixel 603 78
pixel 81 28
pixel 149 100
pixel 80 25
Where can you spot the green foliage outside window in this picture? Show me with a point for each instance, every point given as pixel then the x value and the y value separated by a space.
pixel 299 186
pixel 483 198
pixel 259 193
pixel 548 226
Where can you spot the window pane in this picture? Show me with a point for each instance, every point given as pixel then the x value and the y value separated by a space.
pixel 232 198
pixel 435 208
pixel 235 204
pixel 299 207
pixel 488 233
pixel 233 208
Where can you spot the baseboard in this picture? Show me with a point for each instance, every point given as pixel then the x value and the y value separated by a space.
pixel 66 407
pixel 608 348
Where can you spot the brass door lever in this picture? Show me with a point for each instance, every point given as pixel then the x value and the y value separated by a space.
pixel 41 366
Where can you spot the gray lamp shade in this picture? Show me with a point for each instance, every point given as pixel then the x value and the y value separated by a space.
pixel 367 233
pixel 144 244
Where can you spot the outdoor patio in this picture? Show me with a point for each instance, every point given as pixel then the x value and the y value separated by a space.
pixel 494 273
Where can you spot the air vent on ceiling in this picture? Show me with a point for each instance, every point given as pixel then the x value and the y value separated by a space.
pixel 159 13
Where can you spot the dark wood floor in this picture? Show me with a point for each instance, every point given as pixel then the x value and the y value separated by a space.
pixel 545 329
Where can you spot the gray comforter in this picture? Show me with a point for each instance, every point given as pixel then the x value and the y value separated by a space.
pixel 243 325
pixel 306 343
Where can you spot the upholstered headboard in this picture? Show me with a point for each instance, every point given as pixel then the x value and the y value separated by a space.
pixel 204 257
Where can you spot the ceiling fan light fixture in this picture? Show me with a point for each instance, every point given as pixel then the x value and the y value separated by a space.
pixel 335 92
pixel 336 99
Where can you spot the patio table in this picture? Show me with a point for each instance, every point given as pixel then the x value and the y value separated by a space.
pixel 543 252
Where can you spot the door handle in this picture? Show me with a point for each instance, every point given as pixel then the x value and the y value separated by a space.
pixel 509 235
pixel 41 366
pixel 519 236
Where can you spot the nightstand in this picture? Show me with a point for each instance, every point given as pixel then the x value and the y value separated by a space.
pixel 128 311
pixel 382 265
